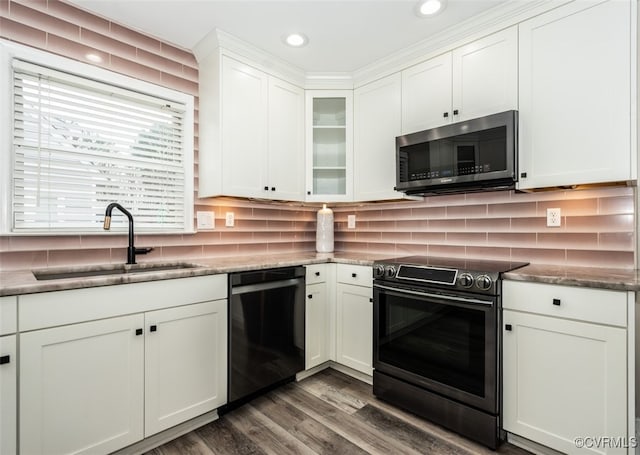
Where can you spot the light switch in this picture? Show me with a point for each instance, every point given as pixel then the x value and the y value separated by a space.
pixel 205 220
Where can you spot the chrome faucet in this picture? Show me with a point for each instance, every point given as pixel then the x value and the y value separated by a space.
pixel 131 250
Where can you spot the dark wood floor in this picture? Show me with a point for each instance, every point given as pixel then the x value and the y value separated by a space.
pixel 328 413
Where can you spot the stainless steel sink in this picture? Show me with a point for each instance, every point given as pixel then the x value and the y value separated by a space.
pixel 111 269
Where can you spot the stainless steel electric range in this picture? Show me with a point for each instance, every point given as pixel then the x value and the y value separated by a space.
pixel 437 341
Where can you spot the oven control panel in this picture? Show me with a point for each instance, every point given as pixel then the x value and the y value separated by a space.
pixel 446 277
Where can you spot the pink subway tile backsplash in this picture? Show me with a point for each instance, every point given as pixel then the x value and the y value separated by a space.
pixel 21 33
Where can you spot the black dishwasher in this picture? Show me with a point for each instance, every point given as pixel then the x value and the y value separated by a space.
pixel 266 329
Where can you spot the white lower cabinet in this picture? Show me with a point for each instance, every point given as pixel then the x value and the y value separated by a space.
pixel 317 325
pixel 8 393
pixel 98 386
pixel 565 366
pixel 354 318
pixel 185 363
pixel 82 387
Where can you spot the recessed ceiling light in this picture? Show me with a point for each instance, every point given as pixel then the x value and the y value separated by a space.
pixel 296 40
pixel 93 58
pixel 430 7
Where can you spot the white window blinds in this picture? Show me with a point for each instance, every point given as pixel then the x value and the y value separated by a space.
pixel 80 144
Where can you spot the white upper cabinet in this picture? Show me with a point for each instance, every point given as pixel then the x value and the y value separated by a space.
pixel 485 76
pixel 426 94
pixel 244 128
pixel 477 79
pixel 329 145
pixel 258 150
pixel 577 89
pixel 377 122
pixel 286 178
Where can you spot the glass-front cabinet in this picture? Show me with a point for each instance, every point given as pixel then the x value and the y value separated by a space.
pixel 329 148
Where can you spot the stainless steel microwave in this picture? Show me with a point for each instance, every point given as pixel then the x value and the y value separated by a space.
pixel 477 154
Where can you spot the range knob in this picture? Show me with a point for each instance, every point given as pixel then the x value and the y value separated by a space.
pixel 465 280
pixel 378 271
pixel 484 282
pixel 391 271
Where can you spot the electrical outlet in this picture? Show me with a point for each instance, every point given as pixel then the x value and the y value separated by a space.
pixel 351 221
pixel 229 220
pixel 205 220
pixel 554 218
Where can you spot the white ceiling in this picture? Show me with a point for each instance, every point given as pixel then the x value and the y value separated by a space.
pixel 343 35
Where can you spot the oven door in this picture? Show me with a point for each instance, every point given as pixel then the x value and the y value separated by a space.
pixel 443 342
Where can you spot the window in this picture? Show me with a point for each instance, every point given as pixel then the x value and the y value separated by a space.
pixel 79 144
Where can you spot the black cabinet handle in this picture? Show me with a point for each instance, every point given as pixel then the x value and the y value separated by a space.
pixel 353 275
pixel 371 299
pixel 138 332
pixel 5 359
pixel 273 188
pixel 317 273
pixel 523 175
pixel 153 328
pixel 266 188
pixel 556 302
pixel 309 193
pixel 445 115
pixel 310 296
pixel 455 112
pixel 508 327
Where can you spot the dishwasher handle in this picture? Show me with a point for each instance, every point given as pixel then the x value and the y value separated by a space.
pixel 235 290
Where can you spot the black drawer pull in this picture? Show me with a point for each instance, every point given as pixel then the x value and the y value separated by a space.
pixel 138 332
pixel 445 114
pixel 266 188
pixel 5 359
pixel 317 273
pixel 310 296
pixel 371 300
pixel 153 328
pixel 523 175
pixel 455 112
pixel 353 275
pixel 508 327
pixel 556 302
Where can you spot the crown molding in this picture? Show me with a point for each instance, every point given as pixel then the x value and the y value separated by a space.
pixel 491 21
pixel 219 41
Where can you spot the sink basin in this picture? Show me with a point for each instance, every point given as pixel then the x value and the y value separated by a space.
pixel 115 269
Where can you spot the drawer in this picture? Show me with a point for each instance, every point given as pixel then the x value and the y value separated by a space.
pixel 316 273
pixel 602 306
pixel 8 315
pixel 359 275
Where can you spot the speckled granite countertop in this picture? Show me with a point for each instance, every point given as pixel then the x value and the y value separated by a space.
pixel 24 282
pixel 595 277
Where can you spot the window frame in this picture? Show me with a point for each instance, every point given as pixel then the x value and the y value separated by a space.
pixel 9 51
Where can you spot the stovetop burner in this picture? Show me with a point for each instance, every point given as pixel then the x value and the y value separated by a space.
pixel 471 275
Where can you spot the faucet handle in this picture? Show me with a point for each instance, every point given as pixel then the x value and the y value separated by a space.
pixel 143 250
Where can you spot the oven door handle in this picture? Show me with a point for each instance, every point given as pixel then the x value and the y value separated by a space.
pixel 438 296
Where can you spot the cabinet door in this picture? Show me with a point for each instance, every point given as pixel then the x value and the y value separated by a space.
pixel 185 363
pixel 8 392
pixel 286 142
pixel 81 387
pixel 377 122
pixel 564 379
pixel 244 129
pixel 426 94
pixel 317 325
pixel 329 145
pixel 575 93
pixel 355 327
pixel 485 76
